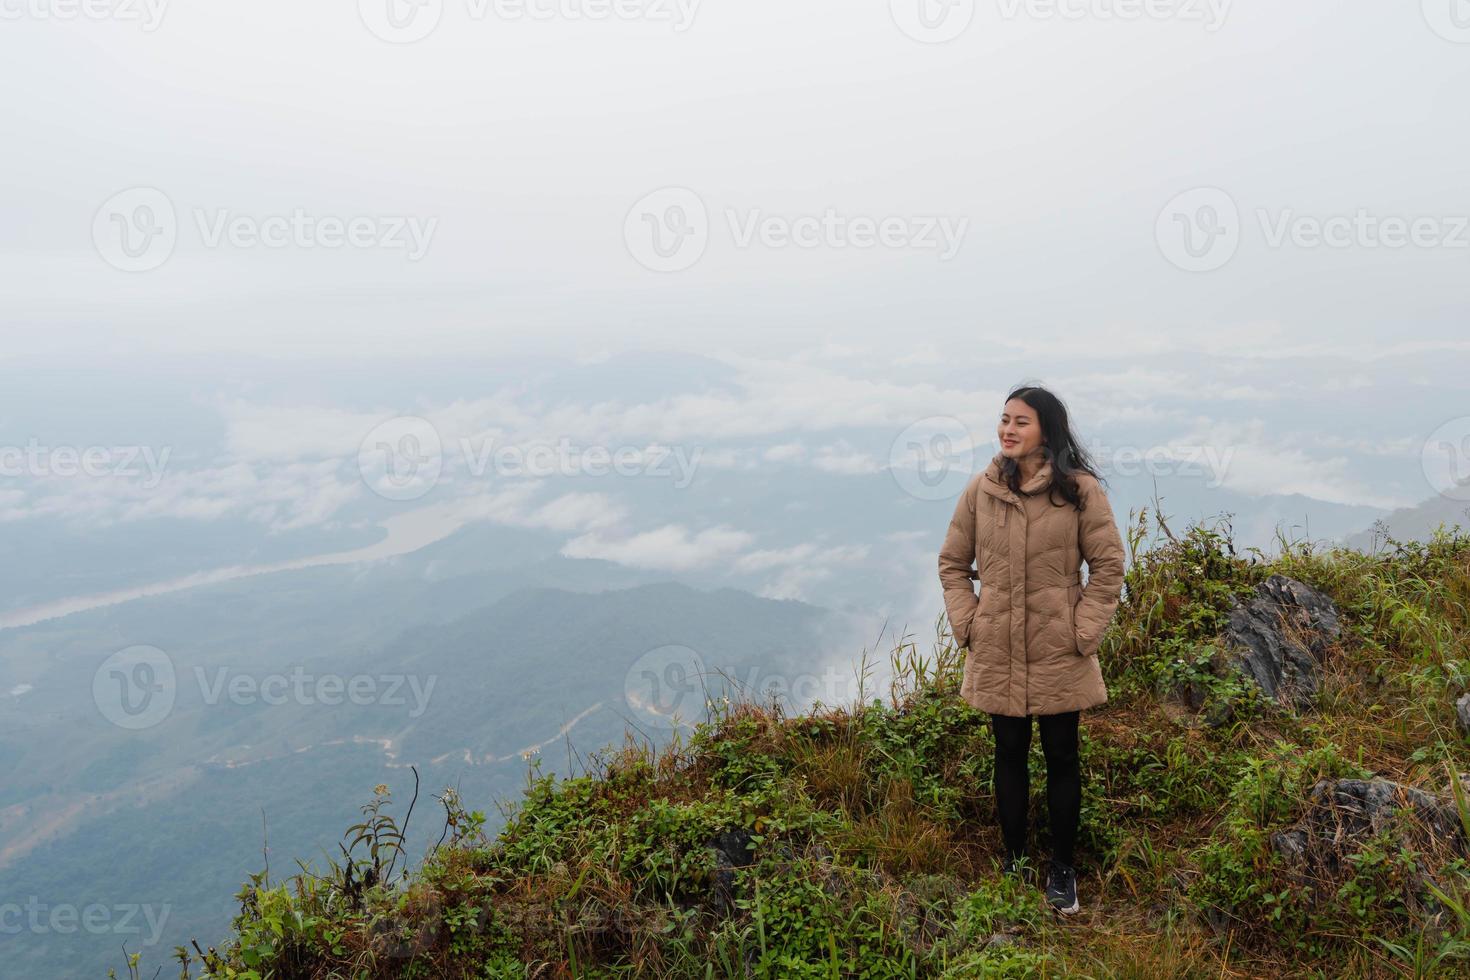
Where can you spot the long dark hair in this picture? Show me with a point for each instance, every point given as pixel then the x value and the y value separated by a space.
pixel 1060 444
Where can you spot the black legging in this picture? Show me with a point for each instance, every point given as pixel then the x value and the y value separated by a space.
pixel 1013 780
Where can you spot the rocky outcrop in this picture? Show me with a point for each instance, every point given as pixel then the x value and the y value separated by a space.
pixel 1279 638
pixel 1342 814
pixel 1462 714
pixel 1345 811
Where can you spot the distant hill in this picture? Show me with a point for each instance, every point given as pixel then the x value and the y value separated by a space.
pixel 1412 523
pixel 174 816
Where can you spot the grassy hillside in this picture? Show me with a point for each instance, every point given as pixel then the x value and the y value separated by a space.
pixel 859 841
pixel 508 661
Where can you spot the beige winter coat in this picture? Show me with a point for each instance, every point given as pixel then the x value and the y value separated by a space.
pixel 1032 635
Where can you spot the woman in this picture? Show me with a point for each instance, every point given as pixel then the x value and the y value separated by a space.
pixel 1026 524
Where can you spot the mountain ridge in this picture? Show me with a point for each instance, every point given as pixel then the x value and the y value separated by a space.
pixel 857 840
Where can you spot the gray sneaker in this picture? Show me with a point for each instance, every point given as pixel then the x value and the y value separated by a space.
pixel 1021 869
pixel 1061 888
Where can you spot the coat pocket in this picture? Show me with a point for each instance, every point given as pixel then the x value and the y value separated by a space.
pixel 979 624
pixel 970 627
pixel 1074 596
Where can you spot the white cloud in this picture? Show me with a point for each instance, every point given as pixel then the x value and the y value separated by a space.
pixel 926 355
pixel 785 452
pixel 799 566
pixel 290 467
pixel 284 496
pixel 669 548
pixel 758 561
pixel 794 583
pixel 1250 461
pixel 725 459
pixel 291 432
pixel 578 512
pixel 844 460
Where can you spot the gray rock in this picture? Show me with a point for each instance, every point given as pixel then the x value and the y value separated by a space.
pixel 734 845
pixel 1342 813
pixel 1279 637
pixel 1366 806
pixel 1291 845
pixel 732 851
pixel 1462 713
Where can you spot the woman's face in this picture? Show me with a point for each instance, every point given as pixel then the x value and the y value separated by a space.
pixel 1018 431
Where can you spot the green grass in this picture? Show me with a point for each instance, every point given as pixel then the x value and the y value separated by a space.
pixel 872 841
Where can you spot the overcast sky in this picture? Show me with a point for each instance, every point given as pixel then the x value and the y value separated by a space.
pixel 1231 225
pixel 1054 137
